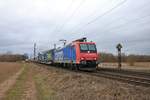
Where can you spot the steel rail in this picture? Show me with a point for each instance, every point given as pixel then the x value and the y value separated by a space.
pixel 136 80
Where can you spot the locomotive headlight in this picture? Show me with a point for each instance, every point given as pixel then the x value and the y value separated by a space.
pixel 95 58
pixel 82 58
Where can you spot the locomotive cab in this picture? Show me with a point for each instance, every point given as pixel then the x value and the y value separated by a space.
pixel 86 55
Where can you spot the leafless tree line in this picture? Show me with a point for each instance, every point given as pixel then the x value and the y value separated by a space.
pixel 12 57
pixel 109 57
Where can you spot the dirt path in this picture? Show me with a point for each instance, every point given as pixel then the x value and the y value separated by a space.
pixel 30 88
pixel 9 83
pixel 24 88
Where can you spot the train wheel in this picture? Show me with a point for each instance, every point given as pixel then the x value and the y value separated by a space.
pixel 70 66
pixel 76 67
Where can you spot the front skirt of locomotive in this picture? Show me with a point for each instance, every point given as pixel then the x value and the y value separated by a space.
pixel 88 65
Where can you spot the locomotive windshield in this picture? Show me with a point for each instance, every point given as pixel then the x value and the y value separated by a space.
pixel 87 47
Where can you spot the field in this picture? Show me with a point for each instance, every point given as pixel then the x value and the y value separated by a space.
pixel 28 81
pixel 8 69
pixel 145 66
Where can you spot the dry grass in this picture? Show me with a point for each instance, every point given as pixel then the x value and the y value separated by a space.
pixel 138 66
pixel 17 91
pixel 129 65
pixel 24 88
pixel 8 69
pixel 44 91
pixel 142 64
pixel 60 84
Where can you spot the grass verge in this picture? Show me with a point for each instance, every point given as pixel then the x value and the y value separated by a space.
pixel 44 91
pixel 16 92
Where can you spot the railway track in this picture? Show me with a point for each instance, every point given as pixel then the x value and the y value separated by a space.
pixel 125 77
pixel 127 71
pixel 131 77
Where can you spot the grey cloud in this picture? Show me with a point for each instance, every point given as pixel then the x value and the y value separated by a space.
pixel 23 22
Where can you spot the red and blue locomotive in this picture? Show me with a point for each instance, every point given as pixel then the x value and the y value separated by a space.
pixel 79 54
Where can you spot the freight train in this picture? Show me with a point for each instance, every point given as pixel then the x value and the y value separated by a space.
pixel 78 55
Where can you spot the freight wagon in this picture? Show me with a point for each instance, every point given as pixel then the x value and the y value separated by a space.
pixel 46 56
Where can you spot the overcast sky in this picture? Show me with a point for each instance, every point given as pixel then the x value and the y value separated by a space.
pixel 107 22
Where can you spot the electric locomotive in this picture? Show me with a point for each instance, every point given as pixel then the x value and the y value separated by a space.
pixel 79 54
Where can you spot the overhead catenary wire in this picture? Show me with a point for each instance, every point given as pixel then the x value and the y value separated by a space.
pixel 90 15
pixel 68 8
pixel 105 13
pixel 65 12
pixel 71 16
pixel 126 24
pixel 118 5
pixel 132 21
